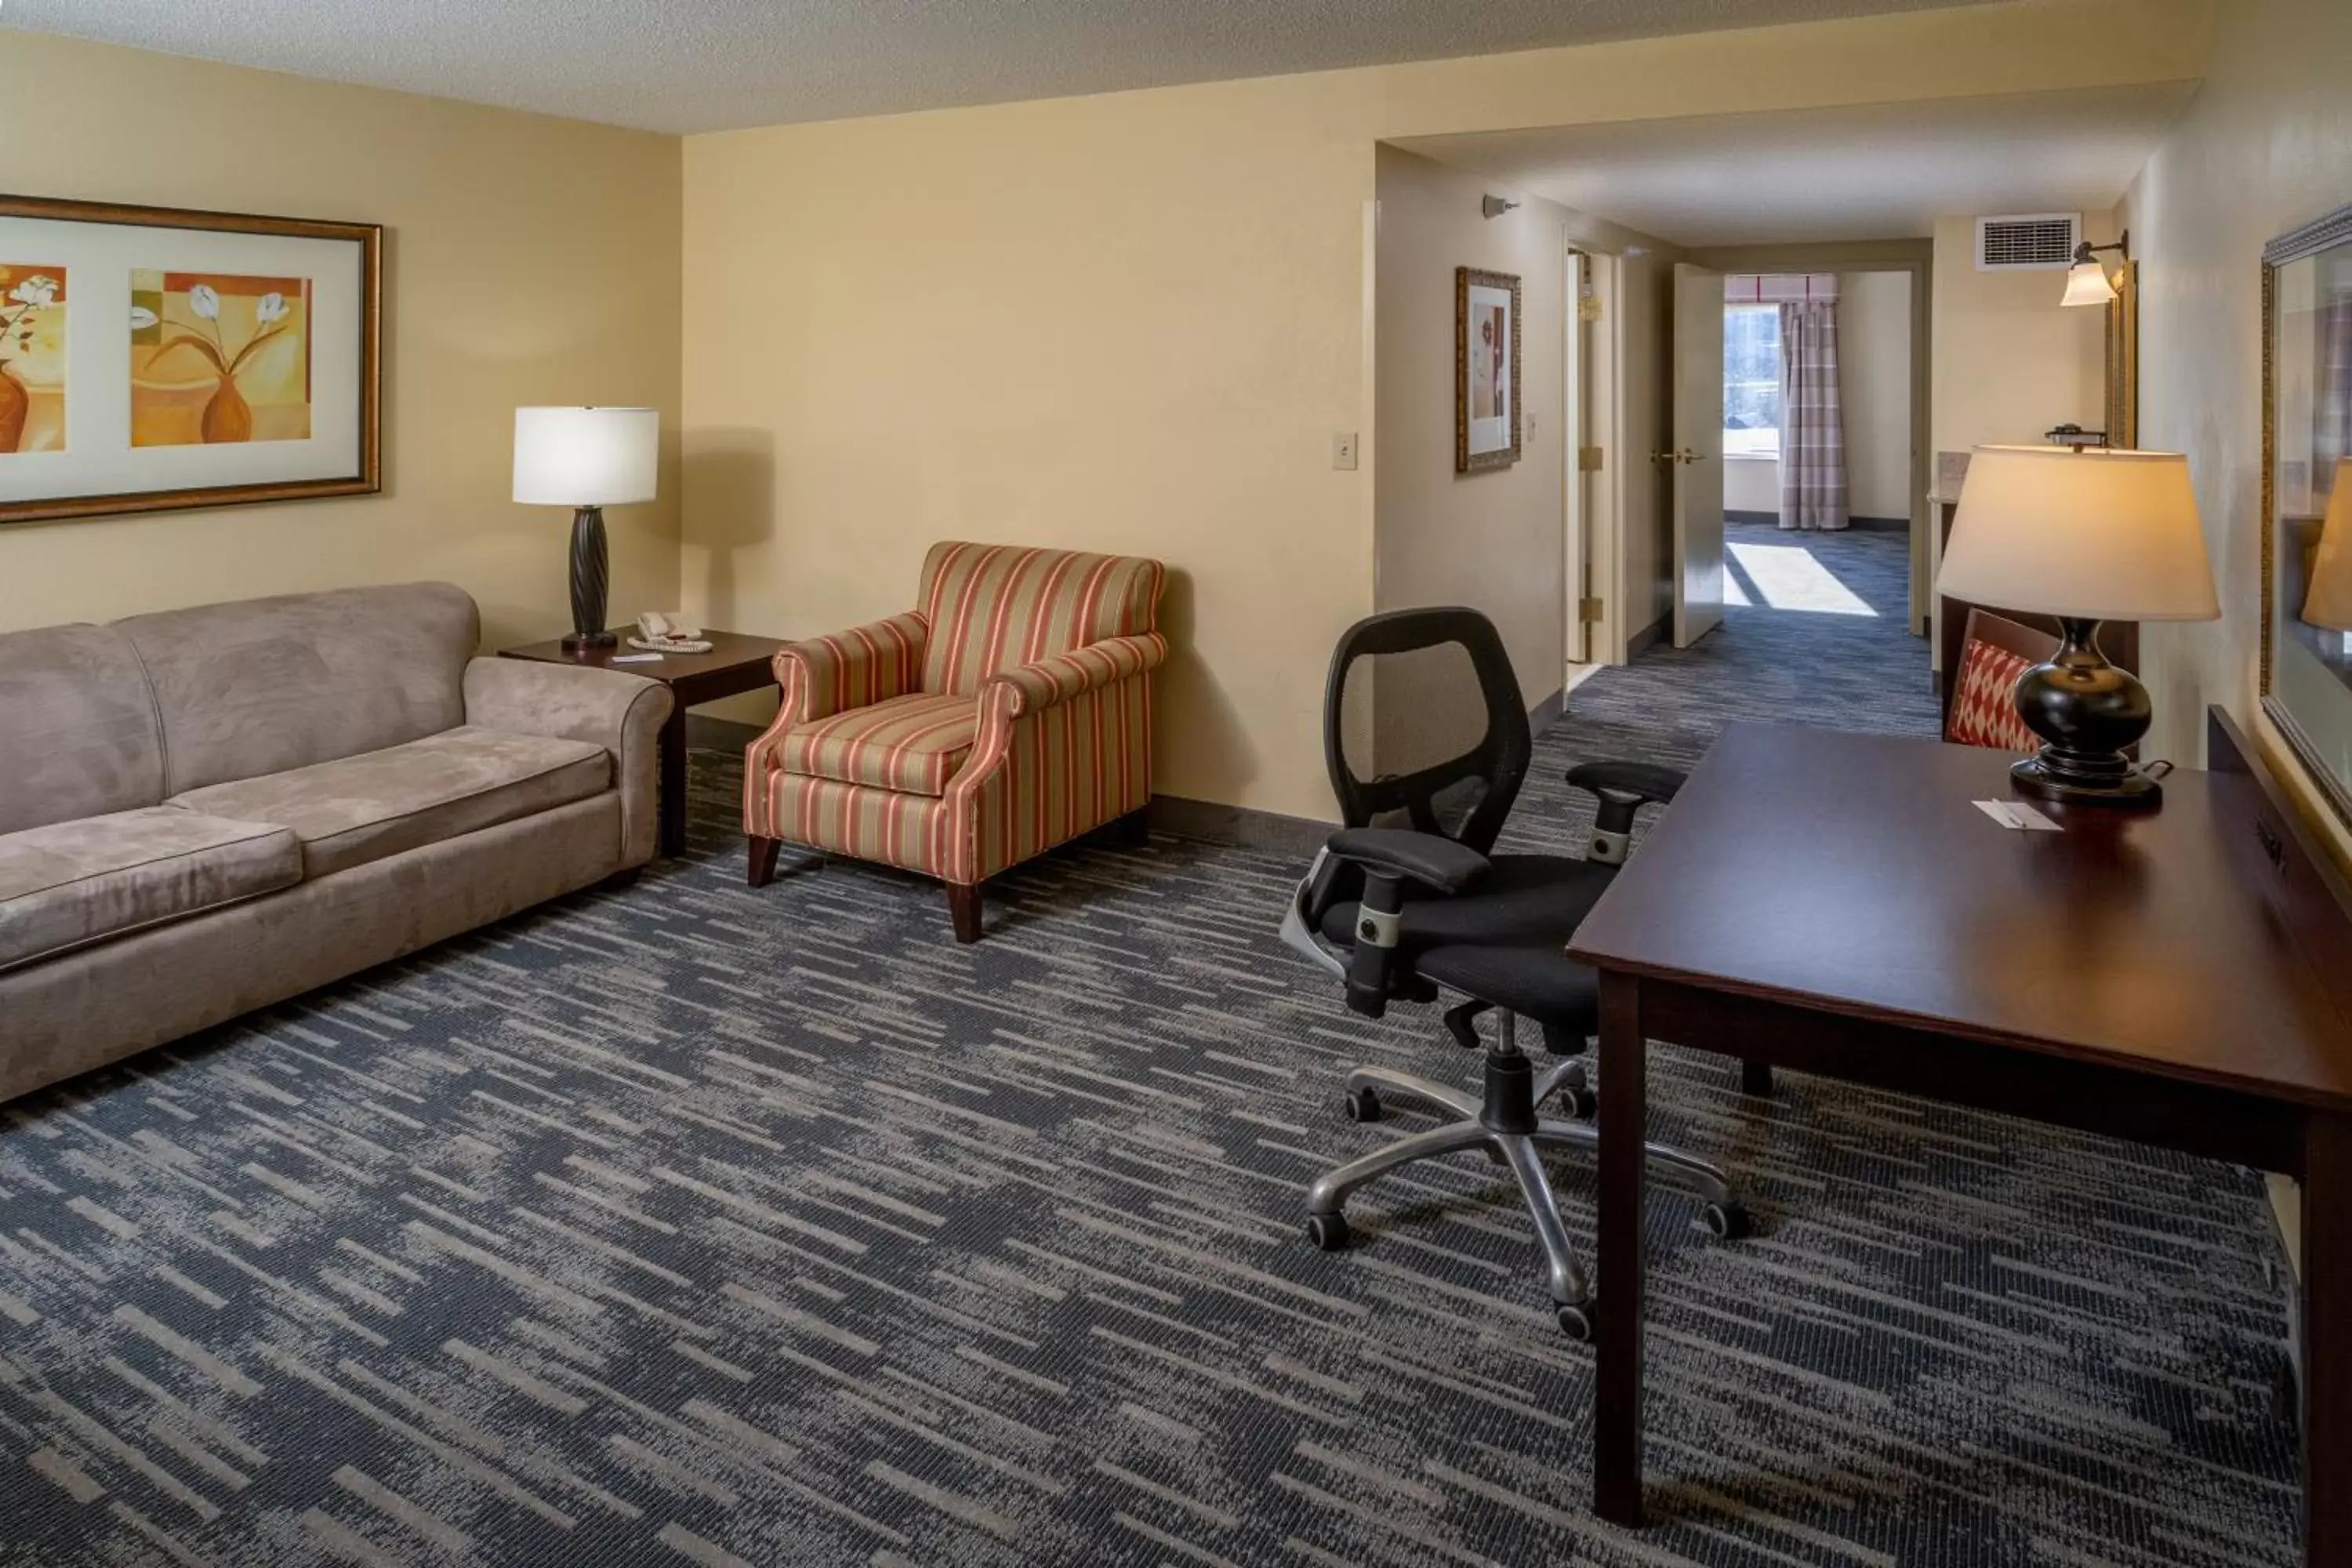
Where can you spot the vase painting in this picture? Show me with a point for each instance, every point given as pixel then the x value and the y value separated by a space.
pixel 32 358
pixel 218 359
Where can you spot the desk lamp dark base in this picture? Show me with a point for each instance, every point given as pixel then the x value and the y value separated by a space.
pixel 2088 712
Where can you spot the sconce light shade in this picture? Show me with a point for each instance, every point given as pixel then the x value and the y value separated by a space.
pixel 2088 284
pixel 2328 604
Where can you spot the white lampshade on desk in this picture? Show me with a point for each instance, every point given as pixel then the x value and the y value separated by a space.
pixel 2328 603
pixel 2092 535
pixel 2086 536
pixel 588 459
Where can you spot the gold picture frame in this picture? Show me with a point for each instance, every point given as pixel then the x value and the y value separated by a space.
pixel 2306 667
pixel 163 358
pixel 2123 359
pixel 1486 335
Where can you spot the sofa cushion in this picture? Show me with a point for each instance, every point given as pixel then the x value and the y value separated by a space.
pixel 78 735
pixel 358 809
pixel 265 685
pixel 912 744
pixel 69 884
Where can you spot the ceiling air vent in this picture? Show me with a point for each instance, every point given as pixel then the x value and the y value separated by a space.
pixel 2036 242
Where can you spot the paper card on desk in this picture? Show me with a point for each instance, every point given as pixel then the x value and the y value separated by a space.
pixel 2017 814
pixel 634 658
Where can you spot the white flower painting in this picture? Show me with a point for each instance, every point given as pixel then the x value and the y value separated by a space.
pixel 32 360
pixel 217 359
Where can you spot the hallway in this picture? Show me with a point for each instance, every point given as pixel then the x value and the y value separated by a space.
pixel 1814 632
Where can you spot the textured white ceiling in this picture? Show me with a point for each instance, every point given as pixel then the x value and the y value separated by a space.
pixel 707 65
pixel 1873 172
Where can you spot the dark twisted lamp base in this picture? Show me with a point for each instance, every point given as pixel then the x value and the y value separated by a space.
pixel 589 578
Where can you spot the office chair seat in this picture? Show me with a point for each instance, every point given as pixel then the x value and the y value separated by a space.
pixel 1535 896
pixel 1531 978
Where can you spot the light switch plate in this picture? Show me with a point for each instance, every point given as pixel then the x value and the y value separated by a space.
pixel 1343 448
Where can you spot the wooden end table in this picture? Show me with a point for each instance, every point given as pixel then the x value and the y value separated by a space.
pixel 735 664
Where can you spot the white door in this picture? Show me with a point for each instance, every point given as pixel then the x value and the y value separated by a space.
pixel 1572 441
pixel 1696 461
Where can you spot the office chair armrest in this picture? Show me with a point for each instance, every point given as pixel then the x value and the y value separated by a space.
pixel 1436 862
pixel 1642 781
pixel 1623 789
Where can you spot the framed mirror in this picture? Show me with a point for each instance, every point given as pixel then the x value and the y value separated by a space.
pixel 2306 667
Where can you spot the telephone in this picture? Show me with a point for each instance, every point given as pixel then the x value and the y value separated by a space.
pixel 659 633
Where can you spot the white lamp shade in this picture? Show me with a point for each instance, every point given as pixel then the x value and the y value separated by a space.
pixel 585 456
pixel 2088 284
pixel 2328 603
pixel 2099 535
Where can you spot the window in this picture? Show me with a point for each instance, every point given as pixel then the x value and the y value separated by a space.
pixel 1751 381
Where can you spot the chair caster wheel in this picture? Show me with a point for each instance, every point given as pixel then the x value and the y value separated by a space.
pixel 1576 1322
pixel 1327 1231
pixel 1581 1102
pixel 1364 1105
pixel 1729 1221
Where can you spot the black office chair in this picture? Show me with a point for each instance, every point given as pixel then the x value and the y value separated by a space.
pixel 1427 741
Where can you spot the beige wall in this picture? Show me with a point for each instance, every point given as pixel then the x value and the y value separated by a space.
pixel 2010 362
pixel 1875 394
pixel 1134 320
pixel 2266 145
pixel 1874 391
pixel 527 260
pixel 1492 540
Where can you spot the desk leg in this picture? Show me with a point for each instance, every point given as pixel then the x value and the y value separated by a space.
pixel 672 841
pixel 1617 1414
pixel 2327 1341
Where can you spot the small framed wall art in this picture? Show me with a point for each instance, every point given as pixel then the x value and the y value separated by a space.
pixel 152 359
pixel 1485 370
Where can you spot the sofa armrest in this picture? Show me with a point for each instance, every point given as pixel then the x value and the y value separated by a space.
pixel 623 713
pixel 1048 681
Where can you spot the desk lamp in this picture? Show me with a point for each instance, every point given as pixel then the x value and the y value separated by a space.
pixel 2086 536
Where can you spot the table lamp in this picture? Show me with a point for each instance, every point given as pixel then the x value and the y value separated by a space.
pixel 587 459
pixel 2085 536
pixel 2327 604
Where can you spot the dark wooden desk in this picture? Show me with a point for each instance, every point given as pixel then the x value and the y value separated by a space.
pixel 735 664
pixel 1833 904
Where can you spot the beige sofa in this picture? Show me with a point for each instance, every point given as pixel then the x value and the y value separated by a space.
pixel 207 811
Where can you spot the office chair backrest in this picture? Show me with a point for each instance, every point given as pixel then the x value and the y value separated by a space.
pixel 1422 722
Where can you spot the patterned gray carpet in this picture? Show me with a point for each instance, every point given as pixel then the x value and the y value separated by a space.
pixel 699 1225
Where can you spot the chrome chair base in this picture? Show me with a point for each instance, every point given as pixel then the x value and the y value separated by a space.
pixel 1515 1141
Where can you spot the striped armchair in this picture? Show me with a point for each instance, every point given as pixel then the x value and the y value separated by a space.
pixel 1009 713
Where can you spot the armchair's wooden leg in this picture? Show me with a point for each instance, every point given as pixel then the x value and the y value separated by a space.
pixel 963 909
pixel 1756 1079
pixel 763 860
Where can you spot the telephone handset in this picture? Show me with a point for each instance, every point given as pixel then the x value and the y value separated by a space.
pixel 659 632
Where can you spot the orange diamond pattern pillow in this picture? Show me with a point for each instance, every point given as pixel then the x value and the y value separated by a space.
pixel 1984 706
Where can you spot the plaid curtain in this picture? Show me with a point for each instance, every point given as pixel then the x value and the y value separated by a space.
pixel 1812 431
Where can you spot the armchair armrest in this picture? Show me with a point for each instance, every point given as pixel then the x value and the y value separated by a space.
pixel 1048 681
pixel 1623 789
pixel 856 668
pixel 623 713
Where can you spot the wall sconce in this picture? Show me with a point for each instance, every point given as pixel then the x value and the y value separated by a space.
pixel 1495 206
pixel 2086 281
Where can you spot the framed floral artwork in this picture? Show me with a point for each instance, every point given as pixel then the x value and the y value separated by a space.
pixel 1485 370
pixel 152 358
